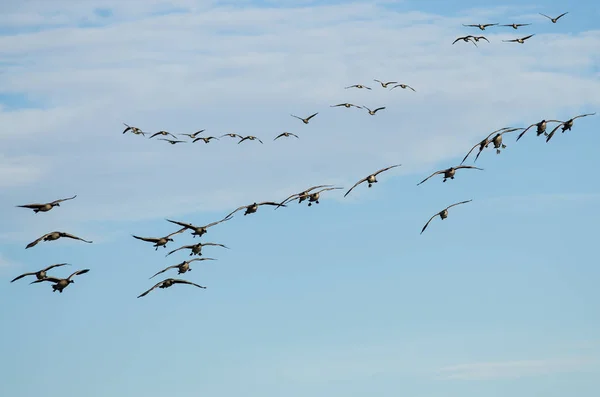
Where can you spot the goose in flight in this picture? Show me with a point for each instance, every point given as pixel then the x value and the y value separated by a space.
pixel 360 86
pixel 285 134
pixel 482 145
pixel 371 179
pixel 159 241
pixel 541 127
pixel 481 26
pixel 554 20
pixel 346 105
pixel 134 130
pixel 521 40
pixel 55 236
pixel 403 86
pixel 477 38
pixel 449 172
pixel 497 140
pixel 61 283
pixel 566 125
pixel 204 139
pixel 314 197
pixel 163 133
pixel 468 39
pixel 443 214
pixel 168 283
pixel 45 207
pixel 183 266
pixel 196 249
pixel 252 208
pixel 517 25
pixel 384 85
pixel 372 112
pixel 198 230
pixel 40 274
pixel 194 135
pixel 249 138
pixel 306 120
pixel 232 135
pixel 303 195
pixel 171 141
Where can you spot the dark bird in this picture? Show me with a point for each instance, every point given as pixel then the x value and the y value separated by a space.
pixel 160 241
pixel 169 282
pixel 482 145
pixel 372 112
pixel 541 128
pixel 285 134
pixel 517 25
pixel 55 236
pixel 198 230
pixel 314 197
pixel 566 125
pixel 205 139
pixel 384 85
pixel 468 39
pixel 357 86
pixel 371 179
pixel 443 214
pixel 554 20
pixel 61 283
pixel 231 135
pixel 40 274
pixel 306 120
pixel 134 130
pixel 194 135
pixel 183 266
pixel 449 172
pixel 196 249
pixel 163 133
pixel 521 40
pixel 403 86
pixel 346 105
pixel 300 196
pixel 46 206
pixel 480 26
pixel 249 138
pixel 497 140
pixel 477 38
pixel 171 141
pixel 252 208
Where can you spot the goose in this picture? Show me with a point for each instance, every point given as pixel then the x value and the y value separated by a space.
pixel 517 25
pixel 61 283
pixel 198 230
pixel 183 266
pixel 306 120
pixel 171 141
pixel 286 134
pixel 196 249
pixel 554 20
pixel 159 241
pixel 45 207
pixel 482 145
pixel 477 38
pixel 168 283
pixel 566 125
pixel 541 127
pixel 521 40
pixel 194 135
pixel 40 274
pixel 360 86
pixel 449 172
pixel 468 39
pixel 249 138
pixel 384 85
pixel 252 208
pixel 314 197
pixel 403 86
pixel 346 105
pixel 300 196
pixel 134 130
pixel 371 179
pixel 497 140
pixel 231 135
pixel 163 133
pixel 205 139
pixel 480 26
pixel 372 112
pixel 443 214
pixel 55 236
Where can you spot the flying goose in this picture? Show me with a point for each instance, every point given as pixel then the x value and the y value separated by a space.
pixel 40 274
pixel 346 105
pixel 232 135
pixel 171 141
pixel 357 86
pixel 314 197
pixel 521 40
pixel 46 206
pixel 61 283
pixel 371 179
pixel 372 112
pixel 55 236
pixel 480 26
pixel 169 282
pixel 286 134
pixel 554 20
pixel 198 230
pixel 183 266
pixel 468 39
pixel 384 85
pixel 249 138
pixel 204 139
pixel 134 130
pixel 477 38
pixel 196 249
pixel 541 127
pixel 497 140
pixel 163 133
pixel 517 25
pixel 306 120
pixel 252 208
pixel 403 86
pixel 159 241
pixel 449 172
pixel 567 125
pixel 300 196
pixel 443 214
pixel 194 135
pixel 482 145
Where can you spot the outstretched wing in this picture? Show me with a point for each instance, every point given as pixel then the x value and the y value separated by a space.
pixel 311 116
pixel 236 210
pixel 65 199
pixel 35 242
pixel 215 245
pixel 179 281
pixel 155 286
pixel 21 276
pixel 551 134
pixel 461 202
pixel 78 272
pixel 164 270
pixel 177 232
pixel 269 203
pixel 432 175
pixel 180 248
pixel 427 224
pixel 217 222
pixel 470 151
pixel 355 185
pixel 53 266
pixel 147 239
pixel 69 235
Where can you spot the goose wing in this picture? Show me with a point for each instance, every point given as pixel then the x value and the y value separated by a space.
pixel 147 239
pixel 432 175
pixel 378 109
pixel 550 18
pixel 155 286
pixel 69 235
pixel 176 232
pixel 77 273
pixel 269 203
pixel 182 224
pixel 155 134
pixel 51 279
pixel 561 15
pixel 214 244
pixel 470 151
pixel 179 281
pixel 201 259
pixel 355 185
pixel 181 248
pixel 468 166
pixel 583 115
pixel 459 203
pixel 64 199
pixel 386 168
pixel 35 242
pixel 31 206
pixel 21 276
pixel 217 222
pixel 311 116
pixel 429 221
pixel 164 270
pixel 551 134
pixel 53 266
pixel 237 209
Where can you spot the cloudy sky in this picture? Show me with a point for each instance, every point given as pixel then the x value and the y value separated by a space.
pixel 344 297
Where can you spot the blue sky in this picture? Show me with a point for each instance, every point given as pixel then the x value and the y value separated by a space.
pixel 344 297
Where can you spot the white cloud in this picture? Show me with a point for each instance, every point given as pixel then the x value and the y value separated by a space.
pixel 245 69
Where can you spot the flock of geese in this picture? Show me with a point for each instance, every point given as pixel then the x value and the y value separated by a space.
pixel 310 196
